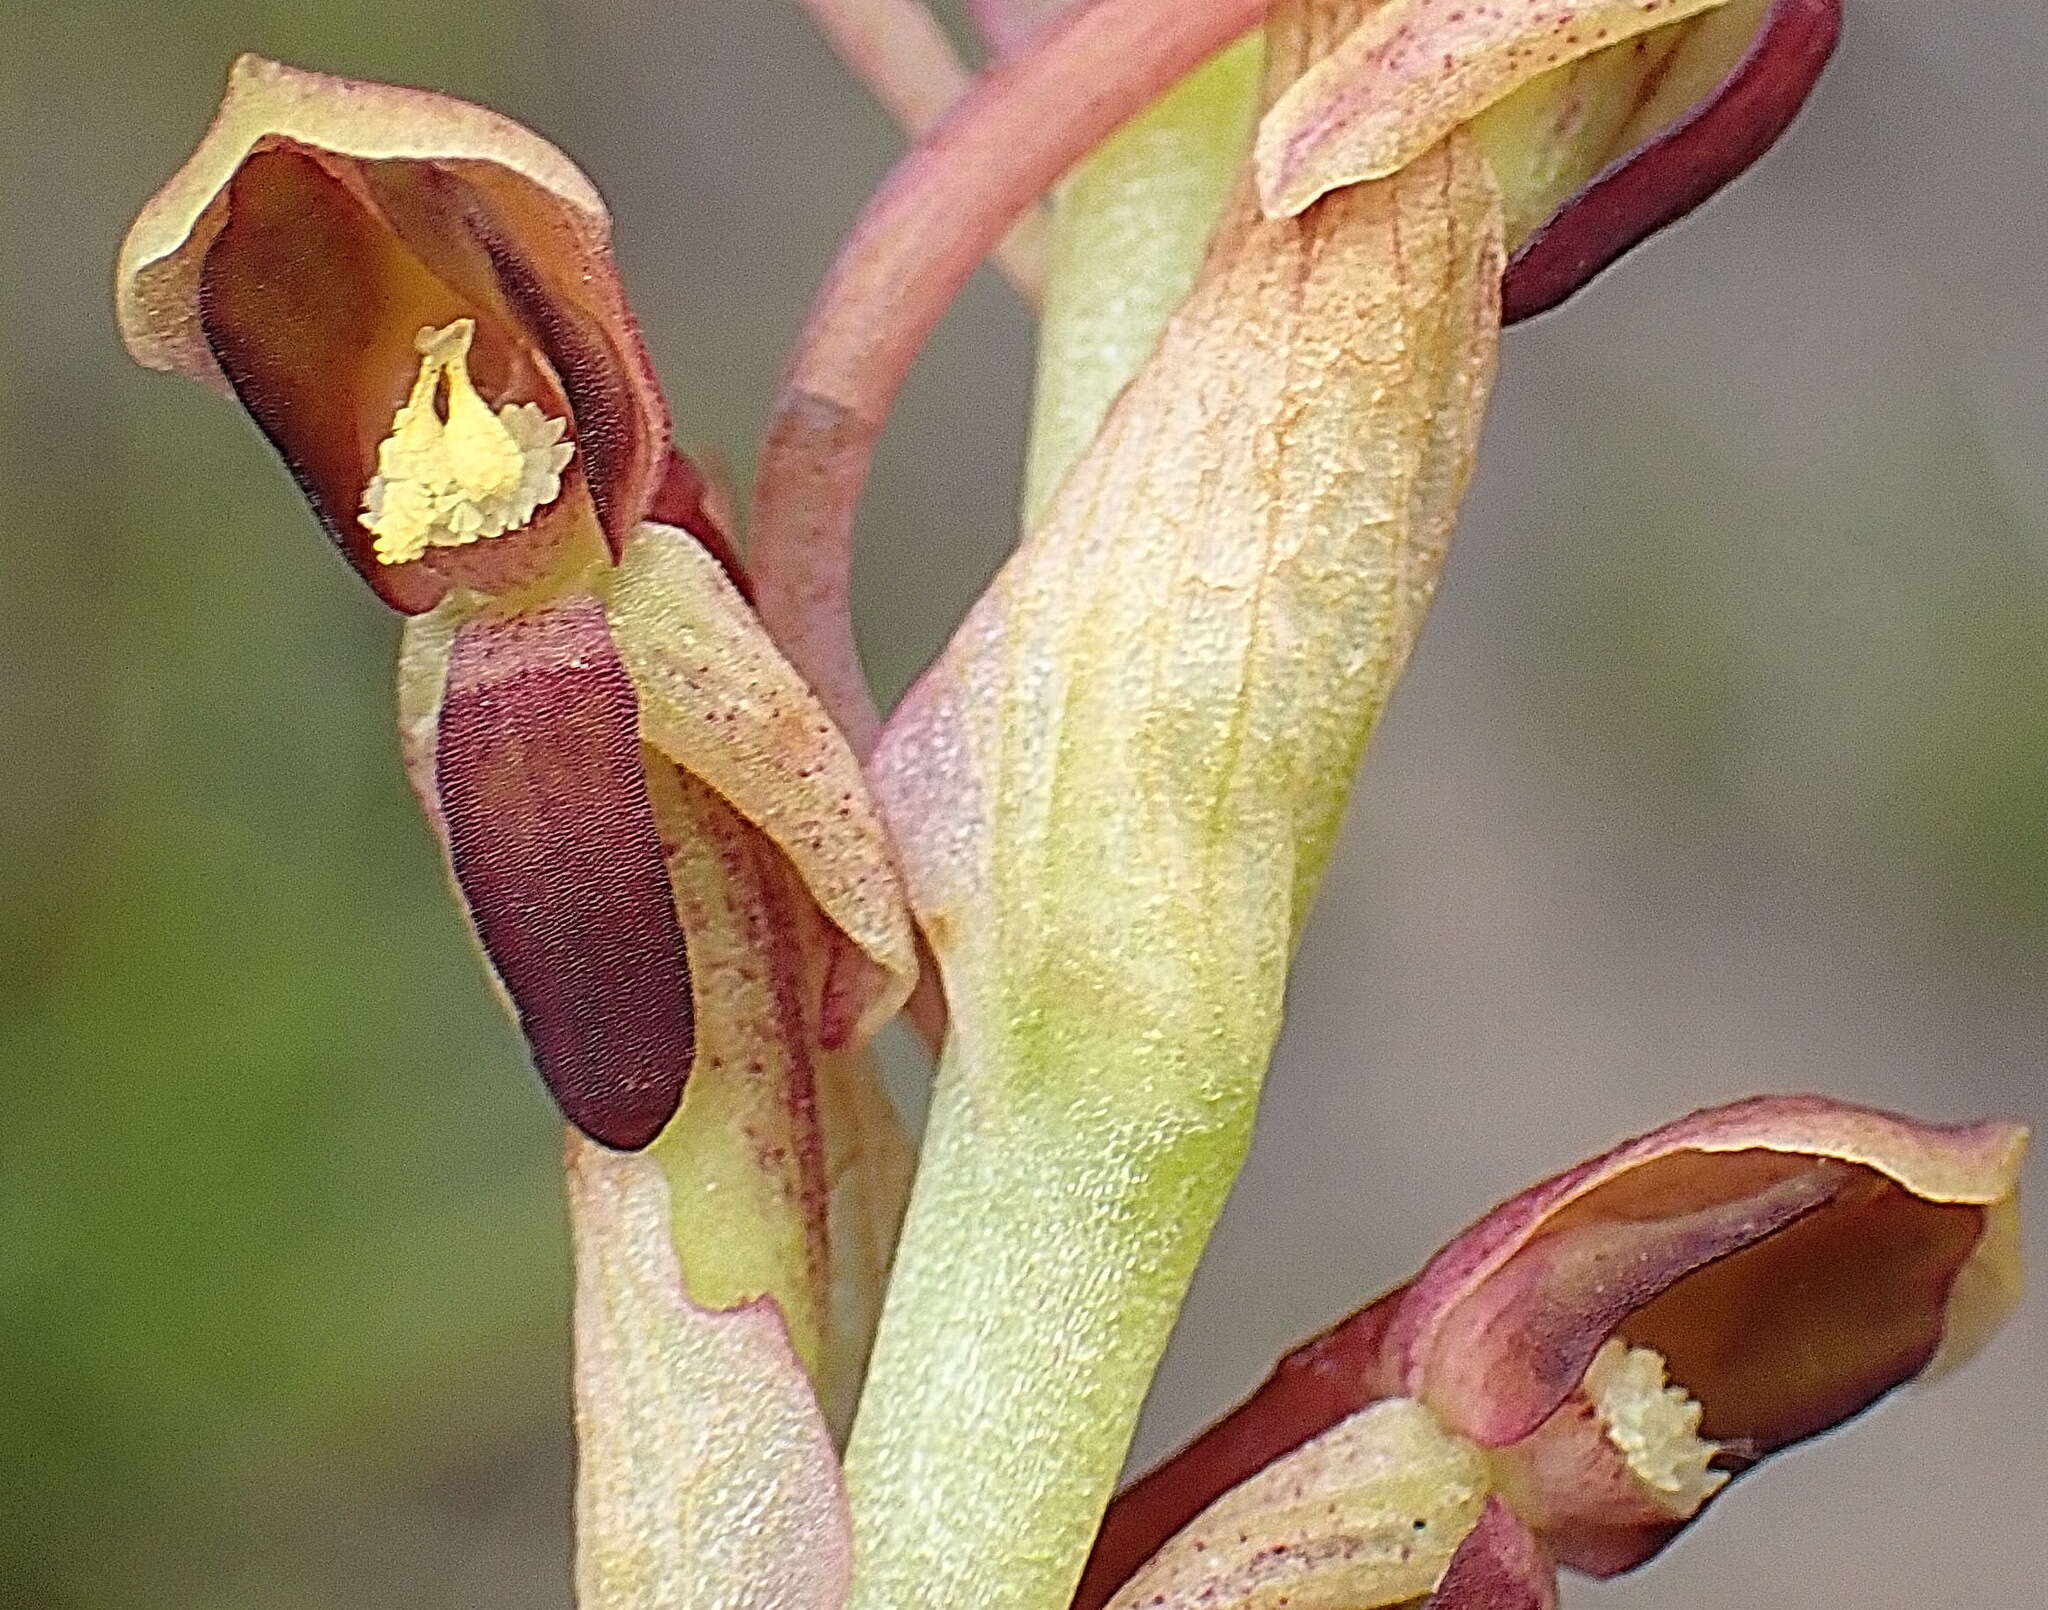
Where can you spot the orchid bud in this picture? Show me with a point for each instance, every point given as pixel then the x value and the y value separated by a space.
pixel 1619 1341
pixel 663 844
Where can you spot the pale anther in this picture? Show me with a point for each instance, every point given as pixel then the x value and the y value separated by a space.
pixel 1654 1425
pixel 449 478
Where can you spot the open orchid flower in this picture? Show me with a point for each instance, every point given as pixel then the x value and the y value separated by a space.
pixel 1597 1357
pixel 664 845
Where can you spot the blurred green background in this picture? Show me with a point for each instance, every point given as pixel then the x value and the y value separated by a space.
pixel 1724 766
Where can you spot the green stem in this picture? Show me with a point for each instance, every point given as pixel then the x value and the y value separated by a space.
pixel 1042 1268
pixel 1129 229
pixel 1070 1176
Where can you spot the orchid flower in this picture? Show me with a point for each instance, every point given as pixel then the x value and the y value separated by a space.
pixel 664 846
pixel 1591 1363
pixel 701 865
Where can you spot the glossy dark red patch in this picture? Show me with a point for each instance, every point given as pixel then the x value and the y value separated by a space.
pixel 554 844
pixel 1666 177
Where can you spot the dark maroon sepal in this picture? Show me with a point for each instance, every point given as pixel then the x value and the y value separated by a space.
pixel 554 844
pixel 1499 1566
pixel 1664 178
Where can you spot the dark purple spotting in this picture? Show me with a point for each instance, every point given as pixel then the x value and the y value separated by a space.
pixel 554 845
pixel 1664 178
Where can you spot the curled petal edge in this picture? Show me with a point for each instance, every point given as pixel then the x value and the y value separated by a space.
pixel 157 275
pixel 1678 169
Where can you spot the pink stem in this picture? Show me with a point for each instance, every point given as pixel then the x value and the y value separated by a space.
pixel 898 49
pixel 1008 25
pixel 921 235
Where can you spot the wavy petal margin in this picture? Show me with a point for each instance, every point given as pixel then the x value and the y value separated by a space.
pixel 554 846
pixel 705 1474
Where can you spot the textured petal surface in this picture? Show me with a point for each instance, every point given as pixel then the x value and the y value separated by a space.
pixel 555 849
pixel 705 1476
pixel 788 1166
pixel 1678 1168
pixel 1320 1383
pixel 311 304
pixel 1507 1355
pixel 418 208
pixel 1791 1258
pixel 721 703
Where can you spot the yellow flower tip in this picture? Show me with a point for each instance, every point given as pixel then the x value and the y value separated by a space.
pixel 1655 1425
pixel 444 481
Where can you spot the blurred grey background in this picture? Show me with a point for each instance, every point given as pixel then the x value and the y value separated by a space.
pixel 1723 766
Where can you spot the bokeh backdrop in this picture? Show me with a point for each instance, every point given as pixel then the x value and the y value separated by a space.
pixel 1723 766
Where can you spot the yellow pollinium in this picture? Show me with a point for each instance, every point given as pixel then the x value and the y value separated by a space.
pixel 444 480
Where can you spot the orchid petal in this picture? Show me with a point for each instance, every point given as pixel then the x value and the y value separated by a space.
pixel 787 1164
pixel 554 846
pixel 321 225
pixel 1413 70
pixel 1499 1566
pixel 1369 1514
pixel 1790 1258
pixel 1320 1383
pixel 1506 1357
pixel 1774 1358
pixel 790 1165
pixel 1721 92
pixel 705 1476
pixel 720 703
